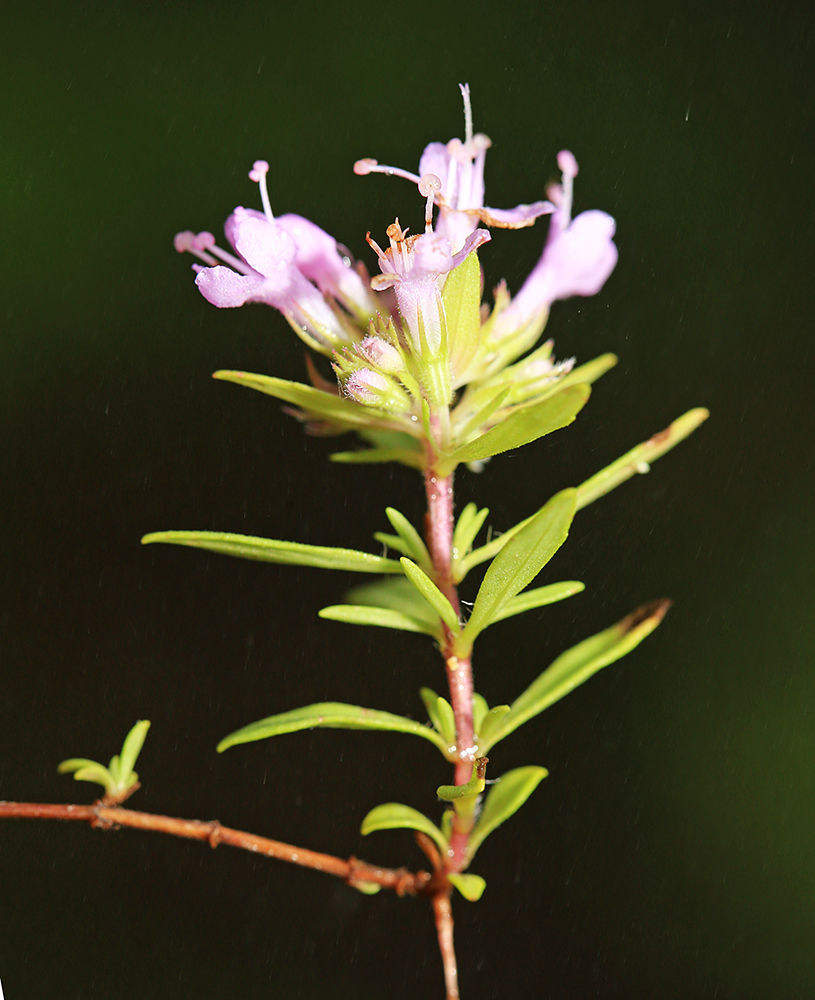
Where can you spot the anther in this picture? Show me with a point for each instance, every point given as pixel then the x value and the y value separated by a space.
pixel 258 174
pixel 371 166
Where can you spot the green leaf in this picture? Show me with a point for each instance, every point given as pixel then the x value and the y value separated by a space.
pixel 589 372
pixel 624 468
pixel 131 748
pixel 362 614
pixel 638 459
pixel 480 710
pixel 373 456
pixel 99 775
pixel 415 548
pixel 471 887
pixel 395 816
pixel 505 798
pixel 330 715
pixel 480 416
pixel 368 888
pixel 431 593
pixel 274 551
pixel 324 405
pixel 518 563
pixel 400 595
pixel 527 600
pixel 489 723
pixel 475 786
pixel 441 714
pixel 576 665
pixel 467 527
pixel 522 427
pixel 88 770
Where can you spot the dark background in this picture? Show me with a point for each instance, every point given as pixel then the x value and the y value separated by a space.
pixel 670 851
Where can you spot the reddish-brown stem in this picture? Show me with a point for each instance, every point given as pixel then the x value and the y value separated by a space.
pixel 444 926
pixel 439 493
pixel 352 871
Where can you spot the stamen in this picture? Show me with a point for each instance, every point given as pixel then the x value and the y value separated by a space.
pixel 429 187
pixel 258 174
pixel 371 166
pixel 468 113
pixel 196 244
pixel 568 167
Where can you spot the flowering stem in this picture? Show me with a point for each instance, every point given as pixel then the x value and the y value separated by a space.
pixel 439 531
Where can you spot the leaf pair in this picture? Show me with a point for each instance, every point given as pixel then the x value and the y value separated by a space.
pixel 118 779
pixel 504 799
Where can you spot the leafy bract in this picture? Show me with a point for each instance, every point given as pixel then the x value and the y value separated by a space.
pixel 462 308
pixel 505 798
pixel 521 427
pixel 274 551
pixel 576 665
pixel 395 816
pixel 330 715
pixel 518 563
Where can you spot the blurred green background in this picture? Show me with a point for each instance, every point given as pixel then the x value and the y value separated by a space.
pixel 670 851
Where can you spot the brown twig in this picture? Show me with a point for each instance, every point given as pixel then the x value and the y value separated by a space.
pixel 352 871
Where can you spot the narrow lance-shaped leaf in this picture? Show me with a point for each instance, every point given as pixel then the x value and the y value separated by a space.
pixel 374 456
pixel 431 593
pixel 633 462
pixel 274 551
pixel 480 710
pixel 467 527
pixel 363 614
pixel 396 593
pixel 638 459
pixel 416 548
pixel 440 713
pixel 528 600
pixel 132 746
pixel 505 798
pixel 395 816
pixel 330 715
pixel 518 563
pixel 576 665
pixel 521 427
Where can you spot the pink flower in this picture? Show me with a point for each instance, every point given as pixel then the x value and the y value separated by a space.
pixel 578 257
pixel 288 262
pixel 460 168
pixel 412 266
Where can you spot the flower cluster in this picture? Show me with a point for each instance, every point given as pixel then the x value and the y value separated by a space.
pixel 415 338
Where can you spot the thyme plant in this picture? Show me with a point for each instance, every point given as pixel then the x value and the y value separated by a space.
pixel 429 376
